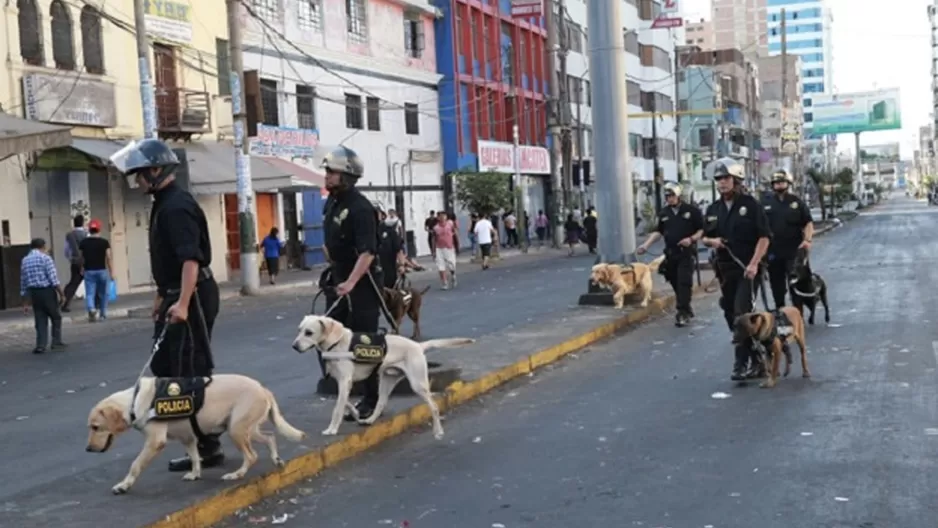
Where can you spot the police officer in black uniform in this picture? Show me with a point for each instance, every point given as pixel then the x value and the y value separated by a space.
pixel 390 249
pixel 180 255
pixel 792 229
pixel 736 226
pixel 350 225
pixel 681 225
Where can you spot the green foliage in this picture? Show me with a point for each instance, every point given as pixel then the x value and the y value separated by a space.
pixel 844 177
pixel 484 193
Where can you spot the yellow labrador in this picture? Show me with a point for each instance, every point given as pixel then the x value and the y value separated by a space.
pixel 231 402
pixel 624 280
pixel 400 358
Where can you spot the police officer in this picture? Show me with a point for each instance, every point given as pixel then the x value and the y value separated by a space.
pixel 736 226
pixel 180 255
pixel 390 249
pixel 350 225
pixel 792 229
pixel 681 225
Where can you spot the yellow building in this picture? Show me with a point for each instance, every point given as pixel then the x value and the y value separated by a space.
pixel 74 63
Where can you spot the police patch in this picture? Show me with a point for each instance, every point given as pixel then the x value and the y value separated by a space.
pixel 687 215
pixel 712 218
pixel 384 235
pixel 368 348
pixel 176 398
pixel 743 211
pixel 794 205
pixel 767 207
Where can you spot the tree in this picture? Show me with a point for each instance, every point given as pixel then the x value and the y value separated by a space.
pixel 484 193
pixel 819 179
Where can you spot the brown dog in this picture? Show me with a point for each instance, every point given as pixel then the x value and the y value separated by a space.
pixel 624 280
pixel 761 327
pixel 401 303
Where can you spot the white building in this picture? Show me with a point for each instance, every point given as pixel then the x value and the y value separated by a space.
pixel 649 68
pixel 808 30
pixel 363 74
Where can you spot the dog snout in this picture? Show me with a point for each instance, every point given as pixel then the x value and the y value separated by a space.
pixel 90 449
pixel 298 347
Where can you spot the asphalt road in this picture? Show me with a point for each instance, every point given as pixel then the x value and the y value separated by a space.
pixel 647 429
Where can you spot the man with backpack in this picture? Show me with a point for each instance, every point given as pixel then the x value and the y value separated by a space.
pixel 73 254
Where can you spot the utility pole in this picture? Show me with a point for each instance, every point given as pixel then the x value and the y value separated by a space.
pixel 785 112
pixel 250 274
pixel 713 145
pixel 677 119
pixel 579 146
pixel 556 60
pixel 521 191
pixel 751 96
pixel 147 98
pixel 655 163
pixel 614 195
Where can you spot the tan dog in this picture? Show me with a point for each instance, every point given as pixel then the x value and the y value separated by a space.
pixel 625 280
pixel 405 303
pixel 232 402
pixel 402 358
pixel 761 327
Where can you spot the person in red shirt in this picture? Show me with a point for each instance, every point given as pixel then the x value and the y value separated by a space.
pixel 445 242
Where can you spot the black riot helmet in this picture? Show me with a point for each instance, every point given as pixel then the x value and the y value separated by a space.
pixel 139 158
pixel 345 162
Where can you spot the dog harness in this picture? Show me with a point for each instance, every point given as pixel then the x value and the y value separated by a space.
pixel 174 399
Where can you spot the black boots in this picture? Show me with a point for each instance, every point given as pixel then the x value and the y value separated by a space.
pixel 364 408
pixel 209 451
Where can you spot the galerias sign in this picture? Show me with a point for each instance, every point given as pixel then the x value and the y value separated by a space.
pixel 495 156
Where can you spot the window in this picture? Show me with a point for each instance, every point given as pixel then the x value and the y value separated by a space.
pixel 30 34
pixel 413 36
pixel 635 145
pixel 63 47
pixel 508 54
pixel 267 9
pixel 706 137
pixel 655 57
pixel 270 102
pixel 807 103
pixel 588 95
pixel 808 117
pixel 813 88
pixel 92 50
pixel 473 30
pixel 309 15
pixel 574 88
pixel 491 117
pixel 574 34
pixel 631 41
pixel 412 119
pixel 373 109
pixel 353 112
pixel 356 21
pixel 648 148
pixel 666 149
pixel 812 72
pixel 649 9
pixel 305 107
pixel 633 93
pixel 588 140
pixel 223 66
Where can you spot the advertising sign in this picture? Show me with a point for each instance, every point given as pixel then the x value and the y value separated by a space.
pixel 527 8
pixel 856 112
pixel 169 20
pixel 495 156
pixel 62 98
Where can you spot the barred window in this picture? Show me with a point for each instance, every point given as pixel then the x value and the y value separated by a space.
pixel 305 107
pixel 267 9
pixel 353 112
pixel 91 49
pixel 356 20
pixel 31 49
pixel 270 101
pixel 63 43
pixel 309 14
pixel 412 118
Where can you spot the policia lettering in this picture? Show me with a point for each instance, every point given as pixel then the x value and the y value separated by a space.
pixel 180 252
pixel 350 225
pixel 737 228
pixel 792 227
pixel 681 226
pixel 177 398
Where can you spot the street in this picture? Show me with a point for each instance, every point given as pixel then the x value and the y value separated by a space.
pixel 648 430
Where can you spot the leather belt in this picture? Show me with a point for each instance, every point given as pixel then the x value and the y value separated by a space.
pixel 204 274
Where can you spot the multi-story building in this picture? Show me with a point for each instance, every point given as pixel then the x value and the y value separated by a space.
pixel 362 73
pixel 782 120
pixel 699 33
pixel 808 35
pixel 933 19
pixel 740 24
pixel 725 83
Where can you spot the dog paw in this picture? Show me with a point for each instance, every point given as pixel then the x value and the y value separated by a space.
pixel 438 435
pixel 232 476
pixel 766 385
pixel 191 476
pixel 330 432
pixel 120 489
pixel 279 462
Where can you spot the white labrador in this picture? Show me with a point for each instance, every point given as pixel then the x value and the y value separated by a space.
pixel 404 358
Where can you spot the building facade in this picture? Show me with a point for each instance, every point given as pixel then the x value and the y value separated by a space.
pixel 933 20
pixel 699 33
pixel 808 32
pixel 740 24
pixel 361 73
pixel 782 119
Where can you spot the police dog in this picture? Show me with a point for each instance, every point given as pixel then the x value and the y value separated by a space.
pixel 232 402
pixel 807 288
pixel 625 280
pixel 761 327
pixel 403 358
pixel 405 303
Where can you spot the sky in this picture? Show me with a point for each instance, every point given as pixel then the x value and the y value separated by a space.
pixel 876 47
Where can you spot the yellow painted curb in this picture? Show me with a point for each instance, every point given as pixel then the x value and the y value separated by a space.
pixel 226 502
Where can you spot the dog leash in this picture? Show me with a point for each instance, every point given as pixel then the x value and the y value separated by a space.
pixel 752 282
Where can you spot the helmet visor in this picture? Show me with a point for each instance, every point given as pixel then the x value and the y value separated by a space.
pixel 122 159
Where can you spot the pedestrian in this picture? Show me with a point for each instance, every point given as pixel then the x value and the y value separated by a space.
pixel 445 243
pixel 97 270
pixel 792 230
pixel 473 239
pixel 73 254
pixel 591 230
pixel 350 229
pixel 428 226
pixel 681 226
pixel 272 248
pixel 451 216
pixel 511 229
pixel 572 233
pixel 390 250
pixel 540 227
pixel 187 299
pixel 736 226
pixel 40 287
pixel 485 234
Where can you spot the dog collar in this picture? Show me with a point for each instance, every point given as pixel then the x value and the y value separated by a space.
pixel 132 417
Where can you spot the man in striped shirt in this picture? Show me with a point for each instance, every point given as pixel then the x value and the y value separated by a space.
pixel 39 286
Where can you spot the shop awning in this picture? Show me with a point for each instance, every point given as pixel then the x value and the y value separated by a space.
pixel 21 136
pixel 212 171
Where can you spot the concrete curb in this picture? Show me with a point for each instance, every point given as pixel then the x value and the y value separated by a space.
pixel 228 501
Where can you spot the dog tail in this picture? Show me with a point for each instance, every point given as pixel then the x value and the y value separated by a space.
pixel 446 343
pixel 282 425
pixel 655 264
pixel 425 290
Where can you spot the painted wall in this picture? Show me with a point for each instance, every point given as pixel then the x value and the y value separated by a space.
pixel 14 207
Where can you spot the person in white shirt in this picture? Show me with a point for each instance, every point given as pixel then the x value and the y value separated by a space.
pixel 485 234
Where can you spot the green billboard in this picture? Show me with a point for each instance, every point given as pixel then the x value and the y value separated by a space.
pixel 855 112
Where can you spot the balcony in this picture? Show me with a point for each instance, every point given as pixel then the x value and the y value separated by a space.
pixel 182 113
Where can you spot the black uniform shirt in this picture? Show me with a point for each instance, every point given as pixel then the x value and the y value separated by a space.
pixel 178 233
pixel 741 226
pixel 677 225
pixel 350 227
pixel 787 218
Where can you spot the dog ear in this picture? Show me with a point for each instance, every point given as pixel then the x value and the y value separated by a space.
pixel 332 330
pixel 114 419
pixel 755 322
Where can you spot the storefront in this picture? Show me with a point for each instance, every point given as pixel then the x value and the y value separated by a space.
pixel 533 165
